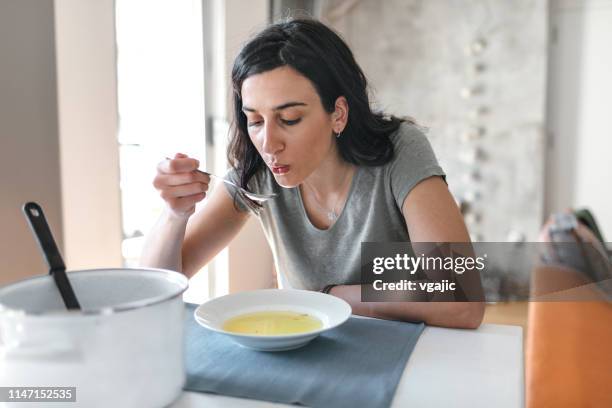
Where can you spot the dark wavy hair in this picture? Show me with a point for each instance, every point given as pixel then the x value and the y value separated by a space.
pixel 318 53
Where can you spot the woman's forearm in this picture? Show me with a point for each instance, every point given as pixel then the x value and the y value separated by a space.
pixel 162 248
pixel 467 315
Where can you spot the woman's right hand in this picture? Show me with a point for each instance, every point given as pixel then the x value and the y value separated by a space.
pixel 180 184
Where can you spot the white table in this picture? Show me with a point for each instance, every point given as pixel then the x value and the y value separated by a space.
pixel 448 368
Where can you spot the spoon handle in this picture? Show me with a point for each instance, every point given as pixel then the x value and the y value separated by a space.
pixel 57 268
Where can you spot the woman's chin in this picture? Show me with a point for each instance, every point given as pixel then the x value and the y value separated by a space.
pixel 286 181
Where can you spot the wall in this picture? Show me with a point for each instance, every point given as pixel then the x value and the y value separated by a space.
pixel 87 100
pixel 580 95
pixel 29 168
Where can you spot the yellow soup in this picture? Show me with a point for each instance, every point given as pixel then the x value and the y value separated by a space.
pixel 272 323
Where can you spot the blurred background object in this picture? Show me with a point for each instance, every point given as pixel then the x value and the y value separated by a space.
pixel 567 356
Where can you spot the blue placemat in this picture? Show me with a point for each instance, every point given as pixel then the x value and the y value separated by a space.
pixel 358 364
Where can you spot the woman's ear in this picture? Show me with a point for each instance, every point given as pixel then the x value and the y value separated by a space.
pixel 340 115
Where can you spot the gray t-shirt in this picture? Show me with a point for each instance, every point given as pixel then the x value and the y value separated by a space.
pixel 307 257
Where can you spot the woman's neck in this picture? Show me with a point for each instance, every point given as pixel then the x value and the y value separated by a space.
pixel 330 178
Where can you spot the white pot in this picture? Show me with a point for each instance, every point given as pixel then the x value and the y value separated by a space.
pixel 123 349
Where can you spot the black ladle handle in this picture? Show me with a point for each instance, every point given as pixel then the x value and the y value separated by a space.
pixel 57 268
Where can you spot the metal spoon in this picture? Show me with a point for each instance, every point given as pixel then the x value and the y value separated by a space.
pixel 260 198
pixel 57 268
pixel 257 198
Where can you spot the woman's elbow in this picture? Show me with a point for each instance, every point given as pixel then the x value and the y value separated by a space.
pixel 458 315
pixel 472 315
pixel 188 268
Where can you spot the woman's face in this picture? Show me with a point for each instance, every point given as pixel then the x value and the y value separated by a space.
pixel 287 124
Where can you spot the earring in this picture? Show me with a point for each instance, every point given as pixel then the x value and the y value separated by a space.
pixel 338 135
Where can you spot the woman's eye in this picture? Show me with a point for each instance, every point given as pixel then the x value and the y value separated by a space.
pixel 253 124
pixel 291 122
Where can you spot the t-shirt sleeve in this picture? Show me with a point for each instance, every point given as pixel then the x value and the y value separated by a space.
pixel 414 161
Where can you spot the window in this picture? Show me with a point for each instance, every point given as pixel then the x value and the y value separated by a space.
pixel 160 75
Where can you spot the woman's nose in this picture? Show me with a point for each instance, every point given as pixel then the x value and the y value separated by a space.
pixel 272 141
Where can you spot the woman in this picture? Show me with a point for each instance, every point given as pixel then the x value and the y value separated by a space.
pixel 304 129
